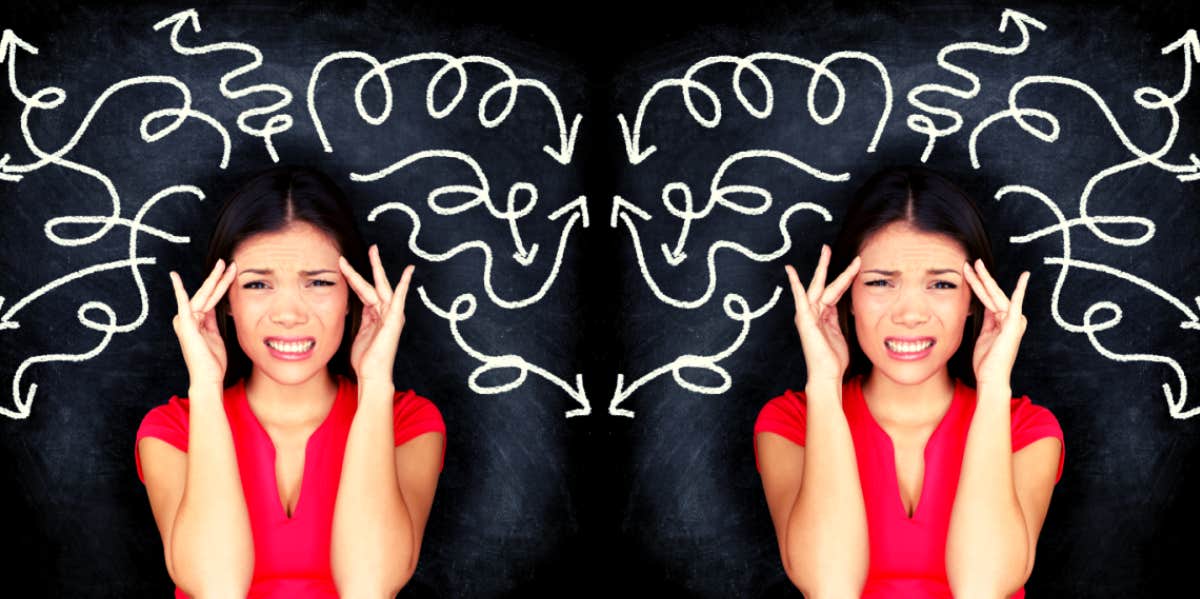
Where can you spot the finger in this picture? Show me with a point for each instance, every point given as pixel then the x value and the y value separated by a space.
pixel 837 288
pixel 977 287
pixel 365 292
pixel 1018 298
pixel 402 287
pixel 798 293
pixel 206 288
pixel 222 287
pixel 382 286
pixel 999 298
pixel 181 300
pixel 818 282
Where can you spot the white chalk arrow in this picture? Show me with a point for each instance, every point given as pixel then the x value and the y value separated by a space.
pixel 9 44
pixel 921 122
pixel 1190 45
pixel 620 206
pixel 277 122
pixel 737 309
pixel 463 308
pixel 6 176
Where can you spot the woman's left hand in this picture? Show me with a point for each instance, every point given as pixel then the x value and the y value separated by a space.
pixel 374 351
pixel 1003 326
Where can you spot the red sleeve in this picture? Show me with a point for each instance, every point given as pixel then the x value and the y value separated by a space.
pixel 785 415
pixel 168 422
pixel 413 415
pixel 1031 422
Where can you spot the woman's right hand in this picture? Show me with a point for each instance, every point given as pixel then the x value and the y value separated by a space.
pixel 826 354
pixel 196 325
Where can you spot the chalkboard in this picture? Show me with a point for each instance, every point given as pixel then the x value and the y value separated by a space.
pixel 599 202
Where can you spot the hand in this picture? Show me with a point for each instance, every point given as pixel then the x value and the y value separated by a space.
pixel 374 351
pixel 825 351
pixel 1003 325
pixel 196 325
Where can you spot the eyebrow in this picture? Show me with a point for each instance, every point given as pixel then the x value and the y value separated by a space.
pixel 932 271
pixel 267 271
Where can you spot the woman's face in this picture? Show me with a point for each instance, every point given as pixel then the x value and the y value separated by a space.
pixel 289 294
pixel 910 302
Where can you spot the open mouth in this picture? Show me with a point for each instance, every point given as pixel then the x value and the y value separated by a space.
pixel 291 347
pixel 908 347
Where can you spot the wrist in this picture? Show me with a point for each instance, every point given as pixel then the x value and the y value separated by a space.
pixel 993 388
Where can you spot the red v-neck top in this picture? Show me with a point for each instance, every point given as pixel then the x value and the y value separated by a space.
pixel 291 555
pixel 908 556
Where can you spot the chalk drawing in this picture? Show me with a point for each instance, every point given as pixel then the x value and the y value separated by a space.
pixel 513 84
pixel 446 200
pixel 922 123
pixel 636 153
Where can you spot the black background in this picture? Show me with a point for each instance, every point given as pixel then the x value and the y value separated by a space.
pixel 530 502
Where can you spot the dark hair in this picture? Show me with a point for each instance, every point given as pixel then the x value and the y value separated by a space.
pixel 930 203
pixel 270 202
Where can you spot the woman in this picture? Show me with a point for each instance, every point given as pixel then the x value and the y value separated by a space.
pixel 281 477
pixel 905 468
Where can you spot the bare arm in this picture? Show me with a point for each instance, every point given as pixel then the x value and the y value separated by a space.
pixel 1000 505
pixel 198 503
pixel 383 500
pixel 816 500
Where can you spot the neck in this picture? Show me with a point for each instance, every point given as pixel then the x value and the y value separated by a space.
pixel 281 404
pixel 919 403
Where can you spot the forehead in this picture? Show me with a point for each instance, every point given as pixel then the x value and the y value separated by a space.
pixel 299 244
pixel 900 246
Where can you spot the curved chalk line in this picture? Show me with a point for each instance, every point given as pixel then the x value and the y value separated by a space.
pixel 1090 328
pixel 922 123
pixel 277 123
pixel 110 327
pixel 458 312
pixel 512 84
pixel 633 138
pixel 703 362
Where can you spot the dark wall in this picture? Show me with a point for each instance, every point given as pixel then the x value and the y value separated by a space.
pixel 599 401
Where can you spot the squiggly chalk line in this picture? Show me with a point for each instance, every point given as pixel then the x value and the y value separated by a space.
pixel 277 123
pixel 744 315
pixel 633 139
pixel 458 313
pixel 922 123
pixel 562 154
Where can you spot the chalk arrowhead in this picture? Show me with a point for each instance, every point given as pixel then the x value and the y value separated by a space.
pixel 527 258
pixel 579 203
pixel 564 154
pixel 179 19
pixel 9 42
pixel 671 257
pixel 618 204
pixel 1020 18
pixel 631 143
pixel 581 398
pixel 617 399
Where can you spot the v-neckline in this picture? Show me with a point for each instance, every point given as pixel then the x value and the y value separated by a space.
pixel 894 474
pixel 281 509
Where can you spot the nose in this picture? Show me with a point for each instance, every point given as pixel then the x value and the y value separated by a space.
pixel 289 308
pixel 911 308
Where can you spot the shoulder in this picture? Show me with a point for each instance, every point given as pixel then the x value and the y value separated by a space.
pixel 168 418
pixel 785 414
pixel 1028 416
pixel 789 406
pixel 414 414
pixel 1032 422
